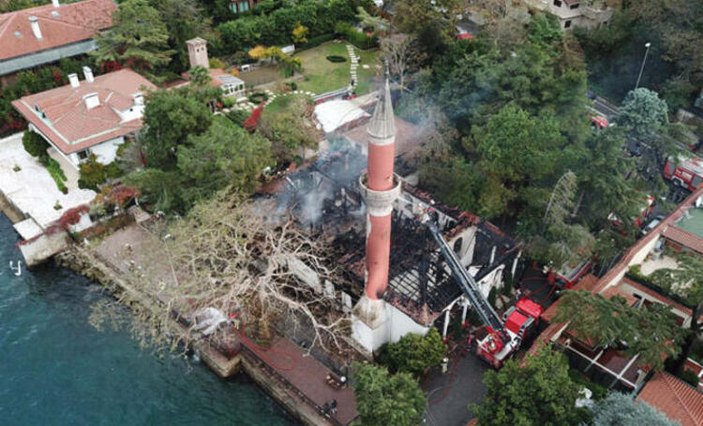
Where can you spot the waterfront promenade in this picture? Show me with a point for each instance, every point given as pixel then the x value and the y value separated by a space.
pixel 295 379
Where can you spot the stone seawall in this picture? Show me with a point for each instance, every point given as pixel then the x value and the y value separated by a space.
pixel 10 210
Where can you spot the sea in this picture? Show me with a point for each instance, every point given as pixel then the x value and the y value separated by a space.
pixel 57 369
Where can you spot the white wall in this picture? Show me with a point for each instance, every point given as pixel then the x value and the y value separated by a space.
pixel 395 325
pixel 107 151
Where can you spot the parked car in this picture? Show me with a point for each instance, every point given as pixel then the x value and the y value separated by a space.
pixel 653 224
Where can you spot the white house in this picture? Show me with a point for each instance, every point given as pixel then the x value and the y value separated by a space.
pixel 86 117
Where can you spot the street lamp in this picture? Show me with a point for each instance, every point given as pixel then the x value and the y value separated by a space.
pixel 643 62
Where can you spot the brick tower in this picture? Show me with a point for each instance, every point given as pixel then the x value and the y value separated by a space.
pixel 380 187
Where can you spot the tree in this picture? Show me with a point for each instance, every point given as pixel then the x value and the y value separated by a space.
pixel 138 38
pixel 415 353
pixel 290 130
pixel 225 155
pixel 396 50
pixel 226 255
pixel 170 117
pixel 515 150
pixel 384 399
pixel 540 392
pixel 642 113
pixel 686 281
pixel 34 144
pixel 184 20
pixel 620 409
pixel 199 76
pixel 300 33
pixel 649 332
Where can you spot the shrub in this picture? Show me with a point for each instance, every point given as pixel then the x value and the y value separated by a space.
pixel 335 58
pixel 34 144
pixel 292 85
pixel 258 97
pixel 414 353
pixel 238 116
pixel 93 173
pixel 217 63
pixel 355 37
pixel 316 41
pixel 689 377
pixel 56 173
pixel 228 101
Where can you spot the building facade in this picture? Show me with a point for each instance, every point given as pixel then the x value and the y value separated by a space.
pixel 87 117
pixel 45 34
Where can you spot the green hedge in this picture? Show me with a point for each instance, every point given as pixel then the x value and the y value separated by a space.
pixel 355 37
pixel 316 41
pixel 56 173
pixel 34 144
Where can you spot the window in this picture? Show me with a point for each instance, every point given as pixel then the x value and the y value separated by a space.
pixel 567 24
pixel 574 6
pixel 557 3
pixel 82 155
pixel 243 6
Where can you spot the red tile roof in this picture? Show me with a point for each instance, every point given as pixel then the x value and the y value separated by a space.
pixel 69 23
pixel 685 238
pixel 587 283
pixel 675 398
pixel 70 125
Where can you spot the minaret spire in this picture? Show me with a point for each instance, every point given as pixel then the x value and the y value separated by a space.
pixel 380 187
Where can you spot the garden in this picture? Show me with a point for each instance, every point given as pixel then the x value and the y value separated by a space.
pixel 325 68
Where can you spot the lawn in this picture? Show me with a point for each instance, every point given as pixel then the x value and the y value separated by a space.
pixel 323 76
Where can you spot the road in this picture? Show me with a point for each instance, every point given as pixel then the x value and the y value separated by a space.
pixel 605 108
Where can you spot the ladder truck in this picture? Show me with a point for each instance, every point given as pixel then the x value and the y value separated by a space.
pixel 504 335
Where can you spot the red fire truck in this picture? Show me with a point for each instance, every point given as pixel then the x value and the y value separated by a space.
pixel 502 336
pixel 686 172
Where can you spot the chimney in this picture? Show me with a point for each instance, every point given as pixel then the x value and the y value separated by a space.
pixel 73 79
pixel 35 27
pixel 55 3
pixel 91 100
pixel 197 53
pixel 88 73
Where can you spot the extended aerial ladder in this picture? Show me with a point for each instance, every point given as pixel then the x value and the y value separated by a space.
pixel 504 335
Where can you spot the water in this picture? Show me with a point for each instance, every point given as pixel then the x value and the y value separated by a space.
pixel 56 369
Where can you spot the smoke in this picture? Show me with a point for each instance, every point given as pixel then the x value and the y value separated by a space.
pixel 329 185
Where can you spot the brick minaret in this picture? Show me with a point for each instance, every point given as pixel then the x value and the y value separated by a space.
pixel 380 187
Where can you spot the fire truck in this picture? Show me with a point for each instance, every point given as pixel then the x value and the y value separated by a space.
pixel 686 173
pixel 503 335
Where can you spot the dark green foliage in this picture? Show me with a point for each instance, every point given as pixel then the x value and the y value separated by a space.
pixel 334 58
pixel 272 23
pixel 621 409
pixel 56 172
pixel 138 39
pixel 34 144
pixel 184 20
pixel 93 173
pixel 169 118
pixel 414 353
pixel 384 399
pixel 355 37
pixel 651 331
pixel 538 393
pixel 689 377
pixel 316 41
pixel 238 116
pixel 225 155
pixel 258 97
pixel 191 155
